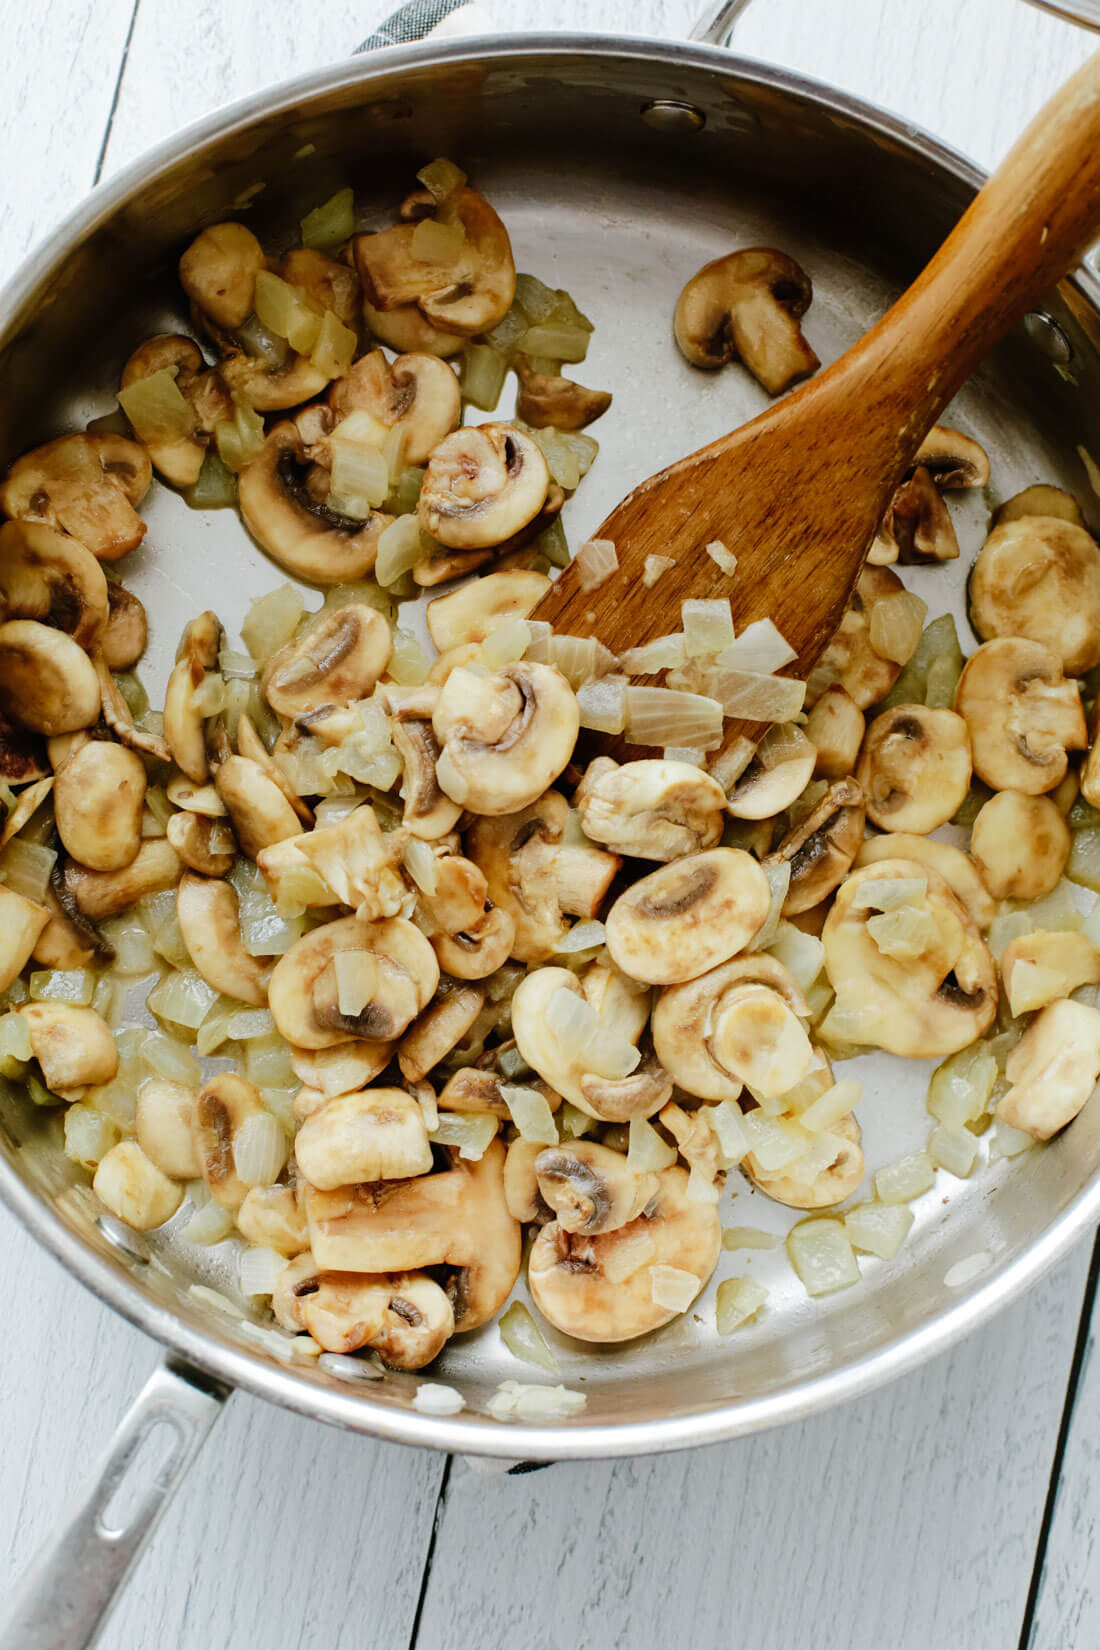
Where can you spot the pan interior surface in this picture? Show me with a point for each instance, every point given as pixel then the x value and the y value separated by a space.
pixel 620 211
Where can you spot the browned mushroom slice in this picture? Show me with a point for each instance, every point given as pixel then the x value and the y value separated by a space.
pixel 118 717
pixel 47 682
pixel 219 269
pixel 504 738
pixel 688 916
pixel 49 576
pixel 957 869
pixel 88 485
pixel 355 1138
pixel 351 978
pixel 23 756
pixel 747 307
pixel 1040 500
pixel 835 729
pixel 177 451
pixel 301 534
pixel 915 768
pixel 337 660
pixel 742 1022
pixel 1052 1071
pixel 917 527
pixel 184 724
pixel 548 401
pixel 1022 714
pixel 122 639
pixel 407 332
pixel 821 849
pixel 651 809
pixel 465 288
pixel 849 660
pixel 99 894
pixel 1039 577
pixel 223 1105
pixel 328 283
pixel 480 607
pixel 407 1318
pixel 209 921
pixel 99 796
pixel 590 1188
pixel 829 1186
pixel 417 395
pixel 1020 845
pixel 482 485
pixel 74 1046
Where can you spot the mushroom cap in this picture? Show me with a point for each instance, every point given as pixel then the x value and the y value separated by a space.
pixel 418 395
pixel 1040 500
pixel 302 991
pixel 222 1106
pixel 914 769
pixel 835 729
pixel 180 459
pixel 468 295
pixel 428 813
pixel 47 682
pixel 849 660
pixel 1039 577
pixel 88 485
pixel 165 1127
pixel 1070 959
pixel 568 1068
pixel 821 849
pixel 775 776
pixel 23 755
pixel 962 874
pixel 184 725
pixel 746 306
pixel 1022 714
pixel 122 640
pixel 306 538
pixel 686 917
pixel 334 662
pixel 256 803
pixel 590 1188
pixel 203 844
pixel 438 1030
pixel 406 1318
pixel 953 460
pixel 918 1007
pixel 546 400
pixel 653 809
pixel 598 1287
pixel 98 797
pixel 209 921
pixel 21 924
pixel 1052 1070
pixel 49 576
pixel 132 1187
pixel 405 330
pixel 707 1033
pixel 342 1068
pixel 477 952
pixel 266 388
pixel 502 749
pixel 354 1138
pixel 1020 845
pixel 482 484
pixel 73 1046
pixel 832 1185
pixel 219 269
pixel 97 894
pixel 482 606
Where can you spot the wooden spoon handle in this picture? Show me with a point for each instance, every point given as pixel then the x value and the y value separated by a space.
pixel 1034 219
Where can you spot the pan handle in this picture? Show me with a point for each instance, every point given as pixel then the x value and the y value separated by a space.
pixel 718 22
pixel 70 1588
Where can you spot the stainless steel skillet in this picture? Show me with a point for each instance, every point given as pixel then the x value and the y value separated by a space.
pixel 619 166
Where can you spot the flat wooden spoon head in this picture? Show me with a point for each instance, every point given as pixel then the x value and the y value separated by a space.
pixel 798 493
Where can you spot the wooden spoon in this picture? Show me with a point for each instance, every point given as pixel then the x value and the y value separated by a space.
pixel 798 493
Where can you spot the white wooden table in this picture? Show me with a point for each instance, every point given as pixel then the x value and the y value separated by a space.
pixel 957 1508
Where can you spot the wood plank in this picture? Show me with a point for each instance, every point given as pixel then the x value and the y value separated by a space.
pixel 906 1519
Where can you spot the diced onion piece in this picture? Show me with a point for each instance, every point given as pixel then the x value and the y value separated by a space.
pixel 596 560
pixel 260 1150
pixel 847 1023
pixel 955 1152
pixel 961 1087
pixel 663 716
pixel 965 1271
pixel 1005 1141
pixel 259 1270
pixel 441 178
pixel 755 697
pixel 25 868
pixel 907 932
pixel 822 1256
pixel 647 1150
pixel 335 348
pixel 829 1108
pixel 360 480
pixel 579 658
pixel 773 1141
pixel 535 298
pixel 888 893
pixel 182 998
pixel 583 1036
pixel 285 311
pixel 425 1099
pixel 240 438
pixel 208 1225
pixel 556 341
pixel 723 558
pixel 331 223
pixel 523 1338
pixel 662 653
pixel 506 643
pixel 602 704
pixel 470 1131
pixel 265 930
pixel 749 1237
pixel 432 1398
pixel 1032 986
pixel 484 370
pixel 907 1178
pixel 15 1038
pixel 157 409
pixel 530 1112
pixel 1057 910
pixel 517 1401
pixel 356 980
pixel 895 625
pixel 268 1062
pixel 421 865
pixel 89 1136
pixel 690 754
pixel 248 1024
pixel 672 1287
pixel 409 664
pixel 165 1057
pixel 737 1301
pixel 654 567
pixel 168 942
pixel 802 955
pixel 760 648
pixel 708 626
pixel 438 243
pixel 778 873
pixel 878 1228
pixel 272 620
pixel 574 1123
pixel 728 1126
pixel 583 936
pixel 208 699
pixel 62 985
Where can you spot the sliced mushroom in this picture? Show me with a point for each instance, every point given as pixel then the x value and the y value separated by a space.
pixel 184 726
pixel 830 1185
pixel 69 939
pixel 47 682
pixel 651 809
pixel 179 459
pixel 917 526
pixel 210 924
pixel 405 330
pixel 1039 577
pixel 271 1216
pixel 914 769
pixel 21 924
pixel 203 844
pixel 134 1189
pixel 469 293
pixel 1052 1070
pixel 342 1068
pixel 98 797
pixel 962 874
pixel 1020 845
pixel 334 662
pixel 438 1030
pixel 821 849
pixel 165 1126
pixel 835 729
pixel 29 800
pixel 74 1046
pixel 218 271
pixel 590 1188
pixel 1023 715
pixel 222 1106
pixel 918 1007
pixel 376 1135
pixel 298 1280
pixel 536 880
pixel 457 1219
pixel 328 283
pixel 849 661
pixel 1064 962
pixel 482 606
pixel 680 921
pixel 698 1146
pixel 477 952
pixel 100 894
pixel 122 640
pixel 87 485
pixel 1040 500
pixel 548 401
pixel 428 813
pixel 49 576
pixel 418 395
pixel 521 1187
pixel 256 804
pixel 271 387
pixel 776 776
pixel 118 717
pixel 406 1318
pixel 23 757
pixel 741 1022
pixel 504 738
pixel 398 970
pixel 482 484
pixel 746 307
pixel 599 1287
pixel 304 536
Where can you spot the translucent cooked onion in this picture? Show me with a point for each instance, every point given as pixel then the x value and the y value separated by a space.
pixel 521 1335
pixel 248 1024
pixel 728 1126
pixel 356 980
pixel 579 658
pixel 360 481
pixel 441 178
pixel 165 1057
pixel 583 936
pixel 399 548
pixel 157 409
pixel 1005 1141
pixel 647 1150
pixel 208 699
pixel 754 697
pixel 25 868
pixel 760 648
pixel 573 1123
pixel 267 1062
pixel 961 1087
pixel 878 1228
pixel 909 1177
pixel 506 643
pixel 894 627
pixel 723 558
pixel 1032 986
pixel 738 1301
pixel 335 348
pixel 602 704
pixel 285 311
pixel 331 223
pixel 260 1150
pixel 802 955
pixel 266 931
pixel 438 243
pixel 470 1131
pixel 421 865
pixel 15 1038
pixel 239 439
pixel 582 1036
pixel 208 1225
pixel 822 1256
pixel 271 621
pixel 530 1112
pixel 259 1270
pixel 888 893
pixel 708 626
pixel 662 653
pixel 62 985
pixel 518 1401
pixel 691 754
pixel 1057 910
pixel 484 370
pixel 1012 925
pixel 663 716
pixel 905 933
pixel 236 665
pixel 672 1287
pixel 655 567
pixel 182 998
pixel 89 1136
pixel 216 488
pixel 409 664
pixel 432 1398
pixel 168 942
pixel 831 1107
pixel 596 560
pixel 773 1141
pixel 749 1237
pixel 557 341
pixel 955 1152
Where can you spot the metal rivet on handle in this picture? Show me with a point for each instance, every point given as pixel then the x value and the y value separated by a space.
pixel 666 115
pixel 1044 331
